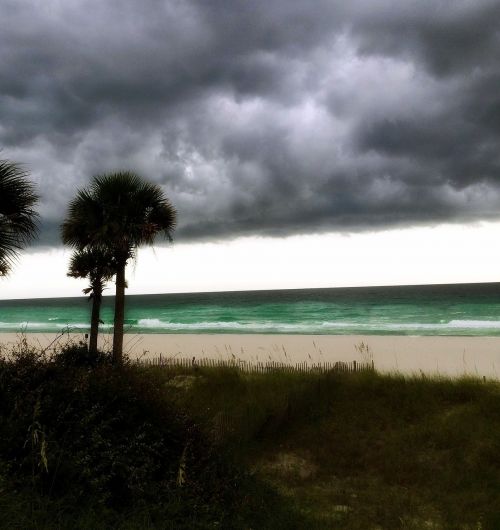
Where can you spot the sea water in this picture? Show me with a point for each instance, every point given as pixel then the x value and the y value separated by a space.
pixel 462 309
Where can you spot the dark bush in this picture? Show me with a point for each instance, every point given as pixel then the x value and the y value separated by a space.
pixel 79 355
pixel 110 438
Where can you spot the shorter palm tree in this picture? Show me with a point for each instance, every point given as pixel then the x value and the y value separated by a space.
pixel 99 267
pixel 18 218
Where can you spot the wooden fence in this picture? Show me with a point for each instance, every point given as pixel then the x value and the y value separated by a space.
pixel 256 367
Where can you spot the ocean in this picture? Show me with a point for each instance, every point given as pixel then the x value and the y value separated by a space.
pixel 461 309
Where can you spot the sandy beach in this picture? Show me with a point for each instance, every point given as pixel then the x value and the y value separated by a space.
pixel 452 356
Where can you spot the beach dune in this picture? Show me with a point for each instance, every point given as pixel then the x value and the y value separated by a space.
pixel 449 356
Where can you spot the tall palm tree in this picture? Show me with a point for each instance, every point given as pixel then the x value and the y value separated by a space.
pixel 99 268
pixel 18 218
pixel 118 212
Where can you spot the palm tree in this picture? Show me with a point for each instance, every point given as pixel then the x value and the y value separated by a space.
pixel 99 268
pixel 118 212
pixel 18 219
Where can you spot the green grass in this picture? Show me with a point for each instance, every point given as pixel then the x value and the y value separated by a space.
pixel 362 450
pixel 276 450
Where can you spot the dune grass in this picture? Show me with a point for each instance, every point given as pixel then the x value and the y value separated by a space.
pixel 83 445
pixel 361 450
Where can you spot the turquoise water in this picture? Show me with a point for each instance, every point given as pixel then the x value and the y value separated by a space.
pixel 464 309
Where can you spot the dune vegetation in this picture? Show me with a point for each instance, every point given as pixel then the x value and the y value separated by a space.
pixel 85 444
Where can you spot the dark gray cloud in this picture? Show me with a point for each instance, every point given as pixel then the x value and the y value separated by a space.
pixel 260 117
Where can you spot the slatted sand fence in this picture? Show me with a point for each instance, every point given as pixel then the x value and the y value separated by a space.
pixel 256 367
pixel 259 413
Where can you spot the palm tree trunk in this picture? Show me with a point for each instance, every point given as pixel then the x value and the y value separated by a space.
pixel 119 315
pixel 94 321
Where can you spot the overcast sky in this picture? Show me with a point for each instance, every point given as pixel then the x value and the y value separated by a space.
pixel 260 118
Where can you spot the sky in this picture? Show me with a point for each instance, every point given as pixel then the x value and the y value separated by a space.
pixel 304 144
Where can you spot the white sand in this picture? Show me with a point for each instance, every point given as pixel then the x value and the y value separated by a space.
pixel 432 355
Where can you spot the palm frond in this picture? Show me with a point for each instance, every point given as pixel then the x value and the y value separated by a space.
pixel 95 264
pixel 118 211
pixel 18 217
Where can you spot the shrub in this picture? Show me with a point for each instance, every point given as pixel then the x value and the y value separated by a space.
pixel 78 429
pixel 78 354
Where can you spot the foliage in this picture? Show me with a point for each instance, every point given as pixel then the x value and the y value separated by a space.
pixel 118 212
pixel 85 445
pixel 147 447
pixel 18 219
pixel 361 450
pixel 78 355
pixel 96 265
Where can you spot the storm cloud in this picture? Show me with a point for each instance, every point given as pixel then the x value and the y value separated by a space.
pixel 260 117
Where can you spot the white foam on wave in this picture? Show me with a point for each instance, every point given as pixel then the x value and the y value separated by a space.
pixel 154 323
pixel 490 324
pixel 80 325
pixel 22 325
pixel 256 326
pixel 453 324
pixel 47 325
pixel 150 322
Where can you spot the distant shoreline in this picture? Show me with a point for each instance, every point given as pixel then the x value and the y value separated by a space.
pixel 433 355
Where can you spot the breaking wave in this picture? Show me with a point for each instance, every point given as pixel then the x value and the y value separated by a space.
pixel 315 327
pixel 156 325
pixel 50 325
